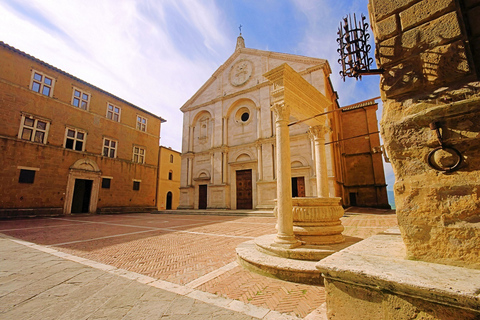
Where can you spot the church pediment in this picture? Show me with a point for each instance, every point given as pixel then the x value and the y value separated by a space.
pixel 244 70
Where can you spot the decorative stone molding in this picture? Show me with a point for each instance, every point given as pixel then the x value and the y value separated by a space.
pixel 241 72
pixel 281 111
pixel 317 220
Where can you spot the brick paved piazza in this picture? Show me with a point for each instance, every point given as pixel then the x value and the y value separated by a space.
pixel 195 251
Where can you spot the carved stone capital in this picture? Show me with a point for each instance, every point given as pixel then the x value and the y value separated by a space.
pixel 281 111
pixel 318 132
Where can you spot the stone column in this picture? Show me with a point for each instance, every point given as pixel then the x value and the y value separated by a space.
pixel 285 236
pixel 225 131
pixel 259 161
pixel 318 133
pixel 259 123
pixel 212 167
pixel 190 170
pixel 190 139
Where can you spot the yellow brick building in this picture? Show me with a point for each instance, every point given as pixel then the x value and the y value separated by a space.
pixel 169 168
pixel 67 146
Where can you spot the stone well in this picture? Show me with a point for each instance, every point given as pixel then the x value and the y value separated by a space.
pixel 317 220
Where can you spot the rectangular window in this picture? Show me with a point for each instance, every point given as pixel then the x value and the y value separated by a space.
pixel 113 112
pixel 106 183
pixel 33 129
pixel 75 139
pixel 80 99
pixel 26 176
pixel 109 148
pixel 42 83
pixel 136 185
pixel 138 155
pixel 141 123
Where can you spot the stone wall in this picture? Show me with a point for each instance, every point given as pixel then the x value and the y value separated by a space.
pixel 427 49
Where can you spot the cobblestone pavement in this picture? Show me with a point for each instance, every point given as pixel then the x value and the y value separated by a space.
pixel 191 256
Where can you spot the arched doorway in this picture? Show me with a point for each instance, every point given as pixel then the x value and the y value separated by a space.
pixel 169 200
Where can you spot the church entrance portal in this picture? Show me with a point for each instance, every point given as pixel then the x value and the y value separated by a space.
pixel 81 195
pixel 244 189
pixel 298 187
pixel 202 196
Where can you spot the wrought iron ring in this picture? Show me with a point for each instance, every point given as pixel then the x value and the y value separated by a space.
pixel 435 166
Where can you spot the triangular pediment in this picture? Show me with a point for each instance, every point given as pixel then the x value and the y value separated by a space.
pixel 244 70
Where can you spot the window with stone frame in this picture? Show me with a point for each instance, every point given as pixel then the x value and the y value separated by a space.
pixel 80 99
pixel 109 148
pixel 75 139
pixel 33 129
pixel 141 123
pixel 106 182
pixel 138 155
pixel 170 175
pixel 113 112
pixel 171 158
pixel 42 83
pixel 26 176
pixel 136 185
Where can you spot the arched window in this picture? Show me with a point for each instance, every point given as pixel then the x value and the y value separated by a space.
pixel 170 175
pixel 171 158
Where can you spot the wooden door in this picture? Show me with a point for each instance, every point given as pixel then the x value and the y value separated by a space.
pixel 298 187
pixel 244 189
pixel 202 196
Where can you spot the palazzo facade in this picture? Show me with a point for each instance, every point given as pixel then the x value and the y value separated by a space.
pixel 228 147
pixel 69 147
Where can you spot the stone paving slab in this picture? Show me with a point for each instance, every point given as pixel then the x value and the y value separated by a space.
pixel 50 287
pixel 184 254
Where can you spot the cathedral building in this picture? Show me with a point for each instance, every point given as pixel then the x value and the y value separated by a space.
pixel 228 147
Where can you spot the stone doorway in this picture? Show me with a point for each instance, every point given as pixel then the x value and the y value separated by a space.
pixel 169 201
pixel 353 198
pixel 298 187
pixel 202 196
pixel 83 186
pixel 82 193
pixel 244 189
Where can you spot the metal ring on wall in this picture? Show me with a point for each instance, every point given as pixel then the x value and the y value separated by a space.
pixel 435 166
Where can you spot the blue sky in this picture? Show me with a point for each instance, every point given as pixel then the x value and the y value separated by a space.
pixel 157 53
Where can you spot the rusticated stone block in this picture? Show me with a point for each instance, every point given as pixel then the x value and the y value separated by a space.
pixel 437 66
pixel 444 64
pixel 386 28
pixel 424 11
pixel 426 36
pixel 382 8
pixel 402 78
pixel 438 213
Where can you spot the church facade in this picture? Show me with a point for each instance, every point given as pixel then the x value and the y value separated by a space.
pixel 228 147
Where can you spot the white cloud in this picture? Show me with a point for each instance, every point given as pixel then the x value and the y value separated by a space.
pixel 124 47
